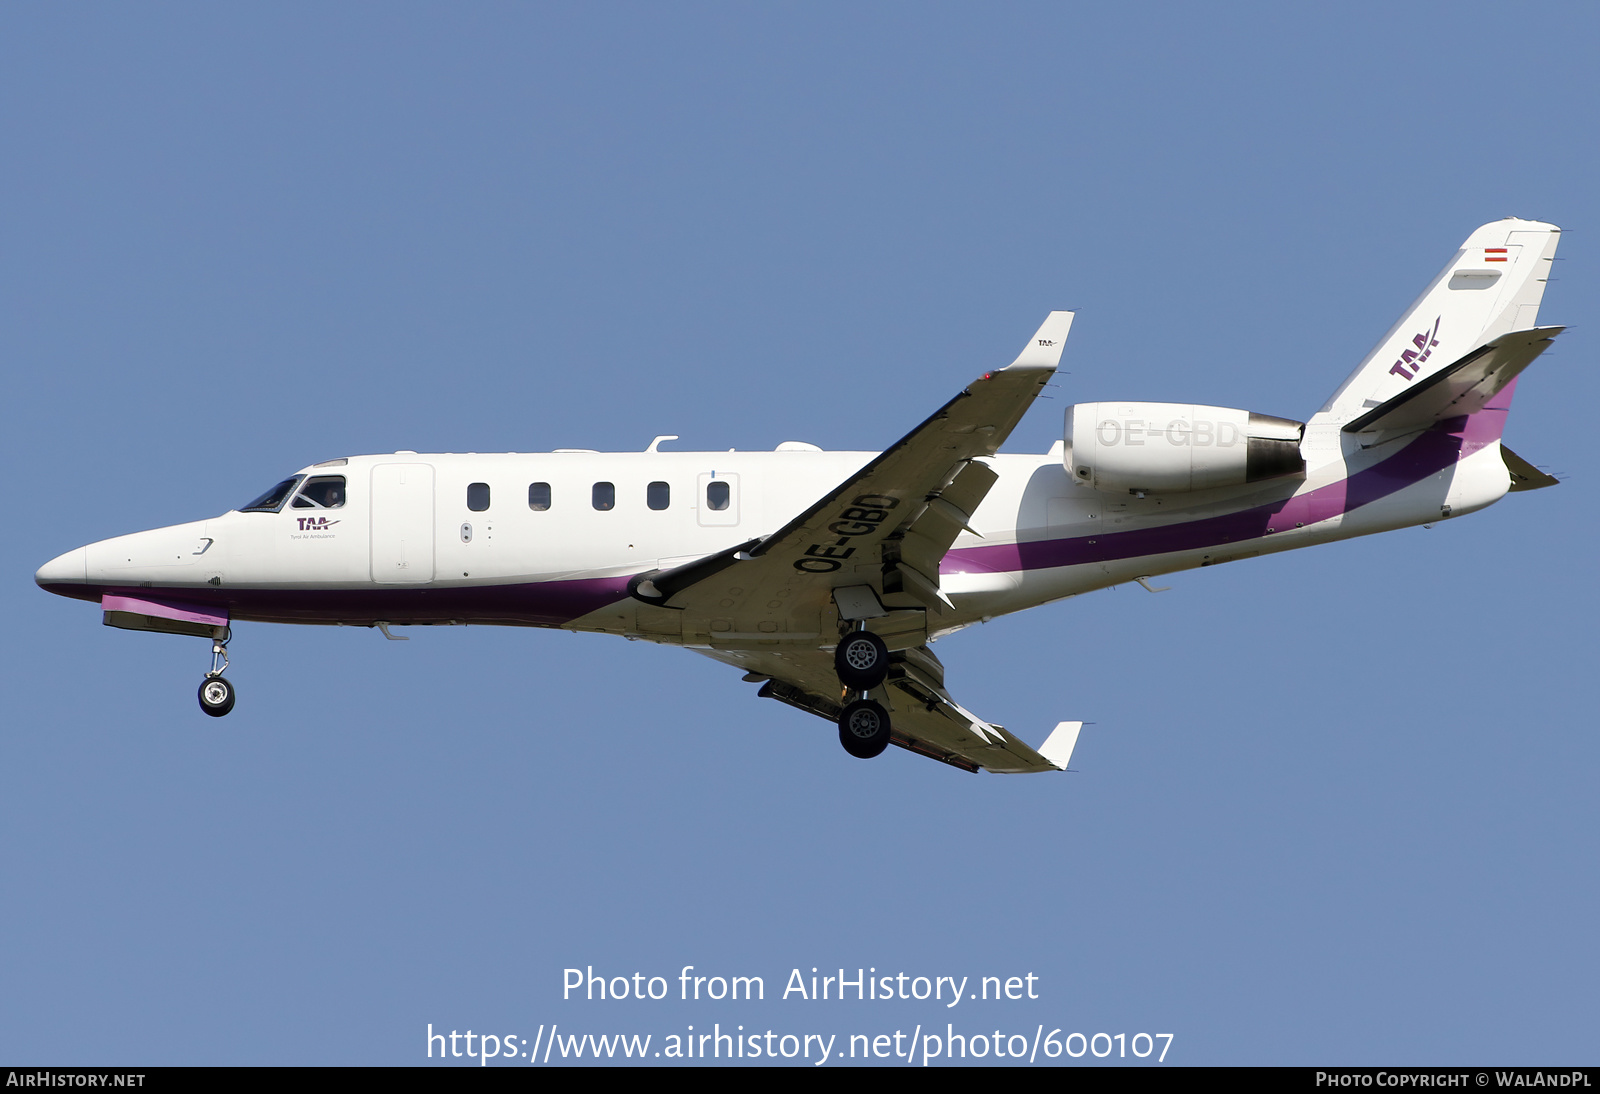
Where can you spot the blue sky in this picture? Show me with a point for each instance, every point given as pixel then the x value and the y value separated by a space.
pixel 1336 806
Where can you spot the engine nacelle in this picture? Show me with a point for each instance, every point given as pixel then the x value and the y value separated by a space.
pixel 1173 447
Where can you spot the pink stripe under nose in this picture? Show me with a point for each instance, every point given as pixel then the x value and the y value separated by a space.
pixel 165 609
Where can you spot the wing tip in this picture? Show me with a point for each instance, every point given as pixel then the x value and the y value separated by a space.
pixel 1043 350
pixel 1057 747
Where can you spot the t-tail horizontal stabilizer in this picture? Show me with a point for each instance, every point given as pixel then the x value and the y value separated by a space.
pixel 1490 288
pixel 1464 387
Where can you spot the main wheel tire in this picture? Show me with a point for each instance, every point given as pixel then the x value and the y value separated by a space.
pixel 862 660
pixel 216 696
pixel 864 729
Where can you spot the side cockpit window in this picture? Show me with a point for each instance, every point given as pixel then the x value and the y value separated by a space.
pixel 321 492
pixel 273 499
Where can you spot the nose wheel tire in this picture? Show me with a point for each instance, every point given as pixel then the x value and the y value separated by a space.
pixel 216 696
pixel 862 661
pixel 864 729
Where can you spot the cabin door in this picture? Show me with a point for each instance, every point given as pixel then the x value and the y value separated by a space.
pixel 402 523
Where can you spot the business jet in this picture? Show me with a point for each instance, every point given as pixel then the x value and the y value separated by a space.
pixel 825 575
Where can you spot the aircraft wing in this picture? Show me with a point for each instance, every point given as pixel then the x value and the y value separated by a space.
pixel 925 719
pixel 886 527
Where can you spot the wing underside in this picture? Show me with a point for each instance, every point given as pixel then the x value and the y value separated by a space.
pixel 925 718
pixel 886 527
pixel 867 555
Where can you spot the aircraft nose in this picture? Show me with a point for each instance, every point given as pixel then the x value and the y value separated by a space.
pixel 71 568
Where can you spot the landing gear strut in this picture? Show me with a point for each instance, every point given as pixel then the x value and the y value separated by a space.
pixel 216 694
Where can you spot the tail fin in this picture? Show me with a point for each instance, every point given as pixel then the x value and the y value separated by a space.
pixel 1491 287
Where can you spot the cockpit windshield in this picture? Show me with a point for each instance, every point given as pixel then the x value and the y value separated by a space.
pixel 273 499
pixel 322 492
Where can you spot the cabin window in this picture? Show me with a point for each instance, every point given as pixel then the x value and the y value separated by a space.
pixel 539 496
pixel 658 495
pixel 605 495
pixel 324 492
pixel 273 499
pixel 478 496
pixel 717 495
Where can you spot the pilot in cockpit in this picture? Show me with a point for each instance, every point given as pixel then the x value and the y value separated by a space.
pixel 321 493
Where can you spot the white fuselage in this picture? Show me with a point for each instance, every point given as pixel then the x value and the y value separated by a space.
pixel 764 560
pixel 552 541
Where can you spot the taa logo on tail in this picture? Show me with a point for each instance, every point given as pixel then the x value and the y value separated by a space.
pixel 1410 362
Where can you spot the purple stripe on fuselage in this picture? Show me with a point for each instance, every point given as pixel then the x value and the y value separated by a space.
pixel 165 609
pixel 554 603
pixel 530 604
pixel 1427 455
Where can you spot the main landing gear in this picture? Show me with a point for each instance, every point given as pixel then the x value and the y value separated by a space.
pixel 216 694
pixel 862 661
pixel 864 729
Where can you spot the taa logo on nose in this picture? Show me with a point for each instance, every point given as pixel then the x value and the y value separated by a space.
pixel 315 524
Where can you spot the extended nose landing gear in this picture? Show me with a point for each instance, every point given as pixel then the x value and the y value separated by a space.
pixel 216 694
